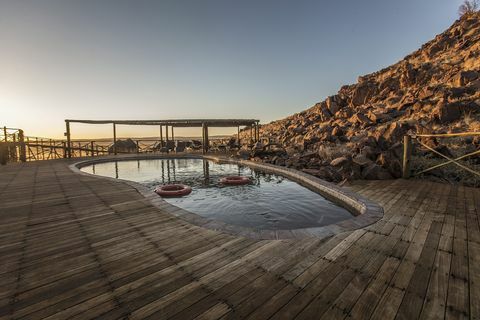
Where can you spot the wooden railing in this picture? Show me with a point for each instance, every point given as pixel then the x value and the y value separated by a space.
pixel 411 140
pixel 15 147
pixel 12 146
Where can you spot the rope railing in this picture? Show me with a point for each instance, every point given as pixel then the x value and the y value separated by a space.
pixel 408 147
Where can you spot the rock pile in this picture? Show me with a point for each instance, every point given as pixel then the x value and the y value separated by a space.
pixel 357 133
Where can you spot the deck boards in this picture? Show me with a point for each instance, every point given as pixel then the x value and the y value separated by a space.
pixel 81 247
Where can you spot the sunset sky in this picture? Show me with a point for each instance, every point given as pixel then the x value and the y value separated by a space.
pixel 139 59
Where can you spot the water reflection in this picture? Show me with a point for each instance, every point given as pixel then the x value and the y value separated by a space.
pixel 206 172
pixel 268 202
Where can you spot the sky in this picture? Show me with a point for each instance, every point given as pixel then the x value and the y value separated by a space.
pixel 156 59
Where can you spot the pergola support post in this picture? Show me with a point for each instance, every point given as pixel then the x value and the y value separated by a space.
pixel 161 136
pixel 114 139
pixel 205 138
pixel 166 138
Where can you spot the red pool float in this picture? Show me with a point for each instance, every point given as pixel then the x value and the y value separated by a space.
pixel 173 190
pixel 234 180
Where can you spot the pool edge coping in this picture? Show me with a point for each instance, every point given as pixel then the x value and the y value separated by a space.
pixel 364 211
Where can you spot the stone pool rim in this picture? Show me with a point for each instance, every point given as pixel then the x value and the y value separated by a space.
pixel 364 211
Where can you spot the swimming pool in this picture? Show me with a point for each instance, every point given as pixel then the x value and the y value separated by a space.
pixel 269 202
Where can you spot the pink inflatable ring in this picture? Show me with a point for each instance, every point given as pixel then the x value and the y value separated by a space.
pixel 173 190
pixel 234 180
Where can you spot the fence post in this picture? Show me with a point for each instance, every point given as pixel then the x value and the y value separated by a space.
pixel 407 153
pixel 69 141
pixel 13 148
pixel 23 150
pixel 3 153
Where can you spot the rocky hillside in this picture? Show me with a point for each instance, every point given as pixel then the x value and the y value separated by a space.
pixel 357 133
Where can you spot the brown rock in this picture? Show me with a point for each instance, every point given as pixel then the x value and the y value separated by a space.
pixel 369 152
pixel 337 131
pixel 337 162
pixel 333 104
pixel 375 172
pixel 446 112
pixel 360 119
pixel 426 93
pixel 362 93
pixel 362 160
pixel 326 173
pixel 396 131
pixel 465 77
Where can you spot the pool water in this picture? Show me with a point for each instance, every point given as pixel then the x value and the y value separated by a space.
pixel 269 202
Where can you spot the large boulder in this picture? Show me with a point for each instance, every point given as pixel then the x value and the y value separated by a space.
pixel 391 134
pixel 362 93
pixel 337 132
pixel 445 112
pixel 340 161
pixel 465 77
pixel 362 160
pixel 360 119
pixel 391 163
pixel 325 173
pixel 334 104
pixel 375 172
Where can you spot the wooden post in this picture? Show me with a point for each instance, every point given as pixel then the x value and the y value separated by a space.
pixel 166 138
pixel 3 153
pixel 114 139
pixel 138 146
pixel 69 142
pixel 204 150
pixel 27 147
pixel 4 148
pixel 91 148
pixel 238 135
pixel 13 149
pixel 407 152
pixel 49 149
pixel 21 140
pixel 161 136
pixel 207 144
pixel 64 147
pixel 251 132
pixel 80 148
pixel 173 136
pixel 37 156
pixel 41 148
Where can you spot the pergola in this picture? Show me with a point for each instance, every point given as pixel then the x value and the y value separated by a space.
pixel 179 123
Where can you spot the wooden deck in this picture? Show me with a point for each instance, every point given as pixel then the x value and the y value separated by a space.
pixel 79 247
